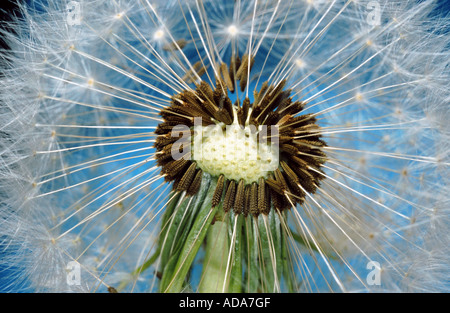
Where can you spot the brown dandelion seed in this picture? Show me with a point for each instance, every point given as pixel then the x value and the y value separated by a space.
pixel 176 45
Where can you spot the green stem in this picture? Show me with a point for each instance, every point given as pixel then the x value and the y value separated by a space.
pixel 180 263
pixel 222 267
pixel 216 256
pixel 235 285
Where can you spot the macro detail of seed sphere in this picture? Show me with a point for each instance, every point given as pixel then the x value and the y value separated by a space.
pixel 190 146
pixel 266 142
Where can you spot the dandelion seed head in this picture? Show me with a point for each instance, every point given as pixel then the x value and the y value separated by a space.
pixel 88 104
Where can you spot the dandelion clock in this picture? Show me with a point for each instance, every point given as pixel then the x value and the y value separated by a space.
pixel 225 146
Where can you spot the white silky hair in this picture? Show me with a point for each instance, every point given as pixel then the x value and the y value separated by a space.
pixel 83 83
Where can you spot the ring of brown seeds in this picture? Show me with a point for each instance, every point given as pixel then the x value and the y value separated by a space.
pixel 298 137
